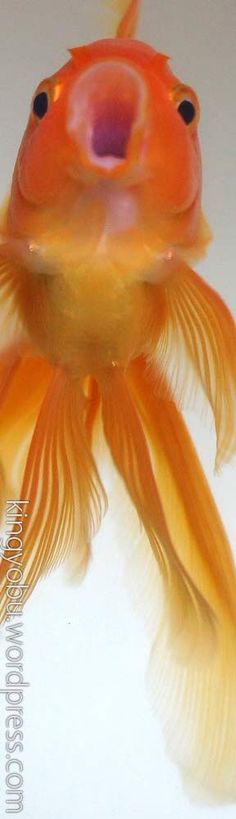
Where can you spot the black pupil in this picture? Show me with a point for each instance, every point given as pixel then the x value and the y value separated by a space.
pixel 187 111
pixel 40 104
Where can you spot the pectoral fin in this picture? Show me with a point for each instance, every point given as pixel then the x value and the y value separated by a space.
pixel 197 347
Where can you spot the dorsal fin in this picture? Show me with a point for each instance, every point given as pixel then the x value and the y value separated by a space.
pixel 128 23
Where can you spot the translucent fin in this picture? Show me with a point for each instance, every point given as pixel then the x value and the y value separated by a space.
pixel 197 346
pixel 189 617
pixel 197 702
pixel 66 498
pixel 23 383
pixel 128 24
pixel 197 709
pixel 12 329
pixel 124 17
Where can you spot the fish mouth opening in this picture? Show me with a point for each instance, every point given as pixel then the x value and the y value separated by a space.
pixel 112 128
pixel 106 109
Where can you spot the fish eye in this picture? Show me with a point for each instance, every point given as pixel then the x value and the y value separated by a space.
pixel 187 111
pixel 187 105
pixel 40 104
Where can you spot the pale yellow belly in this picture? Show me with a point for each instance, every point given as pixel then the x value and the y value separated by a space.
pixel 88 321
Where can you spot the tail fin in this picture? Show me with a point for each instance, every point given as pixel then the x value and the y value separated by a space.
pixel 189 617
pixel 24 380
pixel 61 483
pixel 198 702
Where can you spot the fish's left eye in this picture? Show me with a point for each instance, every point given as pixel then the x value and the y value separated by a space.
pixel 40 104
pixel 187 105
pixel 187 111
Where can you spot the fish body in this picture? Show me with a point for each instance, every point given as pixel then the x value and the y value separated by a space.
pixel 108 332
pixel 100 155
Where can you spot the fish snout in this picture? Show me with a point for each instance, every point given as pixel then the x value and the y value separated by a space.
pixel 106 118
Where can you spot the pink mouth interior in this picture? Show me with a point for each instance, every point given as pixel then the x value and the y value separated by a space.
pixel 112 128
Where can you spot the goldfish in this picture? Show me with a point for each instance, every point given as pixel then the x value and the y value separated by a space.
pixel 107 334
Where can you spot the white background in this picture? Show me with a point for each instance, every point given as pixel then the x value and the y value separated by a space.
pixel 93 747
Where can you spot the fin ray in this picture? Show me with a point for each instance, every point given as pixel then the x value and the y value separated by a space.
pixel 187 612
pixel 196 701
pixel 62 485
pixel 197 347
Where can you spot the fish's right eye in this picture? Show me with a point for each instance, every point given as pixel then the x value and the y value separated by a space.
pixel 40 104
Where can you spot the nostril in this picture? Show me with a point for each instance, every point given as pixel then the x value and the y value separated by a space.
pixel 112 128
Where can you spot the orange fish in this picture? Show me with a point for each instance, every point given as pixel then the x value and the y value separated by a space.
pixel 108 330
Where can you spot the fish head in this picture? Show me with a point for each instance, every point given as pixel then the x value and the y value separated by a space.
pixel 114 113
pixel 110 151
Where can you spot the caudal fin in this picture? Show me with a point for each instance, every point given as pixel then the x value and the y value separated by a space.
pixel 24 379
pixel 197 701
pixel 189 617
pixel 61 483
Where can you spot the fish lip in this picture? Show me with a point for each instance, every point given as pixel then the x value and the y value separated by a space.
pixel 107 109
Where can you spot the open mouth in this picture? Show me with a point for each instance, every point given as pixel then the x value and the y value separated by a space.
pixel 106 112
pixel 112 128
